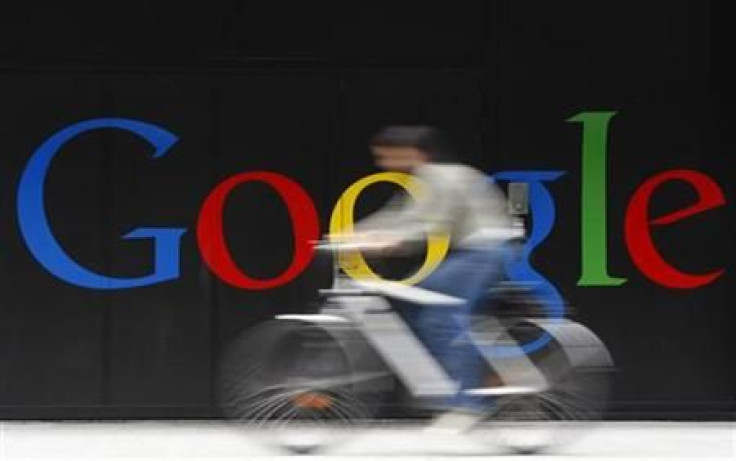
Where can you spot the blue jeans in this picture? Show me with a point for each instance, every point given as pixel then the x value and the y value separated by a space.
pixel 443 330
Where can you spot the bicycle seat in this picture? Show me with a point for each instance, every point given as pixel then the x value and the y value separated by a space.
pixel 412 294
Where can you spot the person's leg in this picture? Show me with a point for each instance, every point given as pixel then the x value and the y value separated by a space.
pixel 445 329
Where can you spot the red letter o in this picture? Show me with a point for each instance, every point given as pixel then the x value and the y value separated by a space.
pixel 211 238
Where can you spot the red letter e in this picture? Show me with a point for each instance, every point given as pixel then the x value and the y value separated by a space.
pixel 637 227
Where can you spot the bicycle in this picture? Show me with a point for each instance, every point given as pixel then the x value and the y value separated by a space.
pixel 341 366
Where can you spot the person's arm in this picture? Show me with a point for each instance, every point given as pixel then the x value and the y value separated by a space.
pixel 431 211
pixel 408 219
pixel 382 219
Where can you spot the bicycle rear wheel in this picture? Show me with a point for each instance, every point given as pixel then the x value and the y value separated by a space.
pixel 577 396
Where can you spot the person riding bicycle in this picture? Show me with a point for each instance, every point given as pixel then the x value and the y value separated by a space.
pixel 461 202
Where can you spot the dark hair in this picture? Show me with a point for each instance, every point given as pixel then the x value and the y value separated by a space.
pixel 429 140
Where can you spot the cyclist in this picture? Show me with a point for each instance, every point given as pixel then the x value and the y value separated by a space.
pixel 461 202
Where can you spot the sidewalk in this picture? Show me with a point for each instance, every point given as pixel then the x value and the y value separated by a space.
pixel 218 440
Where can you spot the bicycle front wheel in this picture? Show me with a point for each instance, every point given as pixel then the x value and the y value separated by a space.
pixel 293 382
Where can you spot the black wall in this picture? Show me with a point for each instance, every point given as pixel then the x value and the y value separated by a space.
pixel 297 88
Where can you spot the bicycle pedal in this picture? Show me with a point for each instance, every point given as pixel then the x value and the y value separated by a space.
pixel 504 390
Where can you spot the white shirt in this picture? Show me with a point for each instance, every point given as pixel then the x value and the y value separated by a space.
pixel 459 200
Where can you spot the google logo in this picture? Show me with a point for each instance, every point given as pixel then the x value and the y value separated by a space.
pixel 49 252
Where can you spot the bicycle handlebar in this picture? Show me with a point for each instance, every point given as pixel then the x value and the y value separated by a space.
pixel 331 245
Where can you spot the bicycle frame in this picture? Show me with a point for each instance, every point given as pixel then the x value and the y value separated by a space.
pixel 364 306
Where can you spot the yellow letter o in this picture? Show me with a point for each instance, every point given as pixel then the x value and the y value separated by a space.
pixel 342 222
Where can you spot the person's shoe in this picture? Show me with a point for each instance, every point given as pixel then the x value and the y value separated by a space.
pixel 455 422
